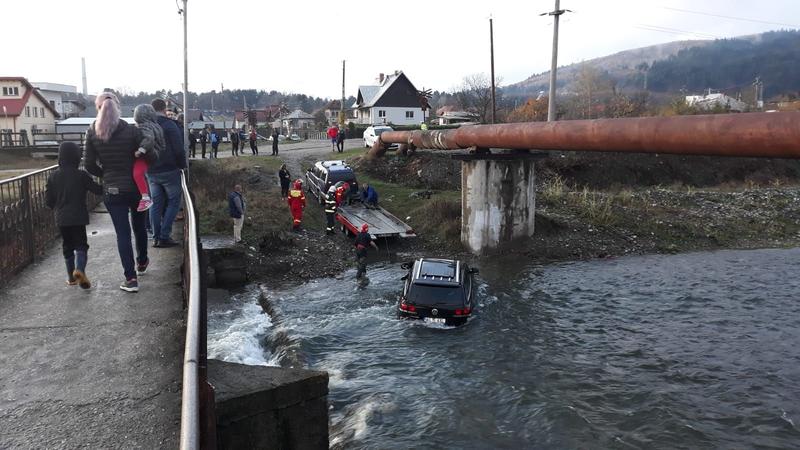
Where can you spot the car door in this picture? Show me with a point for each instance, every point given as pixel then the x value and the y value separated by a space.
pixel 468 282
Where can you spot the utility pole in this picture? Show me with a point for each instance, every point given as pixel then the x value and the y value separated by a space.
pixel 341 107
pixel 551 101
pixel 491 52
pixel 185 85
pixel 758 86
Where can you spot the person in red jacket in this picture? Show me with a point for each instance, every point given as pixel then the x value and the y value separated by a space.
pixel 297 201
pixel 333 133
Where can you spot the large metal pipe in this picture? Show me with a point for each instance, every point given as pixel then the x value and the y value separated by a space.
pixel 767 135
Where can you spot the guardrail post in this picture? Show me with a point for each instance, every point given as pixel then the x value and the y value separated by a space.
pixel 27 222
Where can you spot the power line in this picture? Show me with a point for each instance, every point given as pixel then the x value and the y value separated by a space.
pixel 743 19
pixel 674 31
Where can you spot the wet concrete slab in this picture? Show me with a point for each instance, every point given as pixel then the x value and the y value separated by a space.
pixel 97 368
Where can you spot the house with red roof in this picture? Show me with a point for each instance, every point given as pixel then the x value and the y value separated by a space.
pixel 22 107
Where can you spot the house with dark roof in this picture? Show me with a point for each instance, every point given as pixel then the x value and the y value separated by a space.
pixel 393 100
pixel 298 120
pixel 22 107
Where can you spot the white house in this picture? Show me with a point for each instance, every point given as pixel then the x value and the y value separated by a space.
pixel 394 100
pixel 297 120
pixel 63 97
pixel 23 108
pixel 709 101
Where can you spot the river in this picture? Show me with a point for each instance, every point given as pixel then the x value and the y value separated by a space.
pixel 685 351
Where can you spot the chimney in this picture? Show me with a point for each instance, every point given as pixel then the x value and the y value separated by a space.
pixel 380 78
pixel 83 69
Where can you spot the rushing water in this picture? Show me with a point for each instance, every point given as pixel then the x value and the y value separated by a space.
pixel 689 351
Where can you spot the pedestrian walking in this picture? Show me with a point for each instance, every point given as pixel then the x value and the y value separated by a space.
pixel 275 142
pixel 150 147
pixel 286 180
pixel 193 143
pixel 330 210
pixel 333 132
pixel 165 179
pixel 242 140
pixel 111 142
pixel 214 137
pixel 253 137
pixel 65 194
pixel 297 202
pixel 363 240
pixel 237 209
pixel 234 137
pixel 203 142
pixel 340 140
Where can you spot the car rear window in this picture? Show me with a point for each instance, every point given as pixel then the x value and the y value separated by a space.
pixel 340 175
pixel 429 295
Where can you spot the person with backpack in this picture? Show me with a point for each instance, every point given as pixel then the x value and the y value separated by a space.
pixel 214 138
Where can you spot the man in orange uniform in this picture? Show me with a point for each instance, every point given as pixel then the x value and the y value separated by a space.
pixel 297 201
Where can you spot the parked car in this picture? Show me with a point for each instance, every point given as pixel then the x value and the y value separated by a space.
pixel 372 133
pixel 438 291
pixel 294 137
pixel 325 174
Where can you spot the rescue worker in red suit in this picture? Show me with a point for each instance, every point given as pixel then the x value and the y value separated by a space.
pixel 362 242
pixel 343 194
pixel 297 201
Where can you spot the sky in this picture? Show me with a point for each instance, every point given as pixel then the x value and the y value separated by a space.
pixel 298 46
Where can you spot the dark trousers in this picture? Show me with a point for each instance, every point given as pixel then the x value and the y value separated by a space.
pixel 361 262
pixel 214 149
pixel 73 238
pixel 203 150
pixel 235 149
pixel 340 146
pixel 122 209
pixel 329 222
pixel 275 148
pixel 192 150
pixel 284 191
pixel 253 147
pixel 241 146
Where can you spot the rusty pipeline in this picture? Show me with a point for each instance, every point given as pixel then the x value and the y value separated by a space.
pixel 766 135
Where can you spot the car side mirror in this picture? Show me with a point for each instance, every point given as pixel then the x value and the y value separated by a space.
pixel 405 266
pixel 405 277
pixel 473 270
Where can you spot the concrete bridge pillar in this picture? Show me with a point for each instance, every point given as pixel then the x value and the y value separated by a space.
pixel 498 198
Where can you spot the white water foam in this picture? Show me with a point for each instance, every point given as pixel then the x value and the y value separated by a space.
pixel 234 335
pixel 354 426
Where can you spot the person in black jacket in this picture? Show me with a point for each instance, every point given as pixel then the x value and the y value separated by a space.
pixel 112 142
pixel 193 143
pixel 362 242
pixel 286 180
pixel 275 147
pixel 165 178
pixel 66 195
pixel 234 137
pixel 203 141
pixel 340 140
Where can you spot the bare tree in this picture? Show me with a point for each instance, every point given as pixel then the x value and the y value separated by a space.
pixel 475 95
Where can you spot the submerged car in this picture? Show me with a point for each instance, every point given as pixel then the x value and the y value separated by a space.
pixel 438 291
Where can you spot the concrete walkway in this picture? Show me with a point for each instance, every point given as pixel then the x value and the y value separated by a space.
pixel 98 368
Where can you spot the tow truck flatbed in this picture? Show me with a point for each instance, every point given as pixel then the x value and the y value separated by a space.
pixel 381 223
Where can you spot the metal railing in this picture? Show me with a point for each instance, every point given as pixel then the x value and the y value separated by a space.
pixel 27 225
pixel 198 424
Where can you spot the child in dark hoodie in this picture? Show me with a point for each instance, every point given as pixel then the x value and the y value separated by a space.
pixel 151 146
pixel 66 195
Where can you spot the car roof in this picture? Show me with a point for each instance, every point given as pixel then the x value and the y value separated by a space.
pixel 444 272
pixel 334 165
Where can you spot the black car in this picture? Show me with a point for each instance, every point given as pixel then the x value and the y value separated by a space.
pixel 325 174
pixel 437 290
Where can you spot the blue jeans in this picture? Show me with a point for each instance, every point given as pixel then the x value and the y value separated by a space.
pixel 122 208
pixel 165 191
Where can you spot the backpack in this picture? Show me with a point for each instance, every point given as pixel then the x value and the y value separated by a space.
pixel 213 138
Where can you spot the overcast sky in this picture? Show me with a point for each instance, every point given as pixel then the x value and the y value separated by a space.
pixel 298 46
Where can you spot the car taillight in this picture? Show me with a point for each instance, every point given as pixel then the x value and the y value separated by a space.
pixel 408 308
pixel 463 312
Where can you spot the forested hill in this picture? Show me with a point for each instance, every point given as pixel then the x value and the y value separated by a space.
pixel 729 65
pixel 733 63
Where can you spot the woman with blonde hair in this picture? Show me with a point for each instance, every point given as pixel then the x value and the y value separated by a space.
pixel 112 142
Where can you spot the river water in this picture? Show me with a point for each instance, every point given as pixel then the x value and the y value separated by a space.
pixel 686 351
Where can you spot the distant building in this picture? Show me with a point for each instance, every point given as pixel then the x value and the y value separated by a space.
pixel 297 120
pixel 393 100
pixel 710 101
pixel 449 115
pixel 23 108
pixel 63 97
pixel 331 111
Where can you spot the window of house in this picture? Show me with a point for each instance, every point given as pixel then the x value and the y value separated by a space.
pixel 409 114
pixel 42 113
pixel 27 111
pixel 381 113
pixel 53 103
pixel 10 91
pixel 35 112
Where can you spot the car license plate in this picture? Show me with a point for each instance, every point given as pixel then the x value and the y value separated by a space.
pixel 434 320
